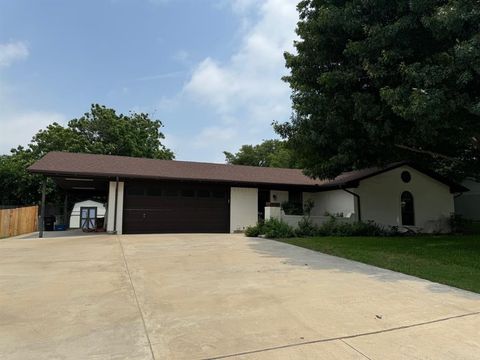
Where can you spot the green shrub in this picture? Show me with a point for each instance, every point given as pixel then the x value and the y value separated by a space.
pixel 474 227
pixel 274 229
pixel 366 229
pixel 306 228
pixel 292 208
pixel 253 231
pixel 308 206
pixel 460 225
pixel 334 227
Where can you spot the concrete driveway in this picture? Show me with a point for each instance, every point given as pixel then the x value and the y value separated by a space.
pixel 221 297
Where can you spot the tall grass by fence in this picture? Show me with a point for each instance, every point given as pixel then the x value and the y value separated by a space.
pixel 18 221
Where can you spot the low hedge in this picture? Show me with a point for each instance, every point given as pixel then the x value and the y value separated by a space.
pixel 274 228
pixel 271 228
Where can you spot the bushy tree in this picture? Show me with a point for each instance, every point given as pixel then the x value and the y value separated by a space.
pixel 103 131
pixel 100 131
pixel 376 81
pixel 269 153
pixel 18 187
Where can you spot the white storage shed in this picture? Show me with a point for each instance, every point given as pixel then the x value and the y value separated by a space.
pixel 93 207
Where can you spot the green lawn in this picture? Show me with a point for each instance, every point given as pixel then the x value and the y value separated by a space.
pixel 447 259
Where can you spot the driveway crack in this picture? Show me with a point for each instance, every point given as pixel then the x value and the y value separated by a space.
pixel 345 337
pixel 358 351
pixel 136 297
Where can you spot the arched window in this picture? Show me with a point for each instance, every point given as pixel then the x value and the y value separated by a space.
pixel 408 212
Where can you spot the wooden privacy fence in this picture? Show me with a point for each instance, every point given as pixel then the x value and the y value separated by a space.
pixel 18 221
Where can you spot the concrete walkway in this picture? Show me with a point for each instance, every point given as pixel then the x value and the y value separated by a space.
pixel 219 297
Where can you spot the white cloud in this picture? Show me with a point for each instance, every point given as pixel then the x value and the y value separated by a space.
pixel 213 85
pixel 18 128
pixel 214 135
pixel 239 6
pixel 11 52
pixel 247 89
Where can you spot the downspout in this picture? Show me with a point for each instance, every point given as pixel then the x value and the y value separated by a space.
pixel 458 195
pixel 357 197
pixel 115 210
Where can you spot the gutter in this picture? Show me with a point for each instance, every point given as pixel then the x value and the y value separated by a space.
pixel 230 182
pixel 357 197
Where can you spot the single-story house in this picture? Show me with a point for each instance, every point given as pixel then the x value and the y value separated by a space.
pixel 165 196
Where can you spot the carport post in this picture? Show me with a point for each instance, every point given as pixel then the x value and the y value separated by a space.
pixel 115 210
pixel 41 224
pixel 65 209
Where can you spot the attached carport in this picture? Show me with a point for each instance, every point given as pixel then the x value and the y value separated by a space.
pixel 73 187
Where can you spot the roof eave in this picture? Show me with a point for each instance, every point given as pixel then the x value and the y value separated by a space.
pixel 458 189
pixel 107 176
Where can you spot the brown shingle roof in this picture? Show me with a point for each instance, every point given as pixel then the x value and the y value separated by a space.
pixel 93 165
pixel 63 163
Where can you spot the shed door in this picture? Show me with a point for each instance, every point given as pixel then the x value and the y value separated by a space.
pixel 88 218
pixel 175 208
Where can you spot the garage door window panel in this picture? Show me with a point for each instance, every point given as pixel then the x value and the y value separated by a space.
pixel 218 194
pixel 203 193
pixel 188 193
pixel 136 190
pixel 154 191
pixel 170 193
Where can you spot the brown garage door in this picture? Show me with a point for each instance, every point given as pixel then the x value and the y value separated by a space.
pixel 162 207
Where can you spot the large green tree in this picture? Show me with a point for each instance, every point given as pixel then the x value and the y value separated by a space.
pixel 376 81
pixel 100 131
pixel 269 153
pixel 103 131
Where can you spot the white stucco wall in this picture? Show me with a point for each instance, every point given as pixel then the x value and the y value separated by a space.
pixel 75 214
pixel 278 196
pixel 273 212
pixel 468 204
pixel 243 208
pixel 293 220
pixel 333 202
pixel 111 206
pixel 380 199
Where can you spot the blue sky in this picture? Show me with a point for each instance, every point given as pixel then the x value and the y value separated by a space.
pixel 209 69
